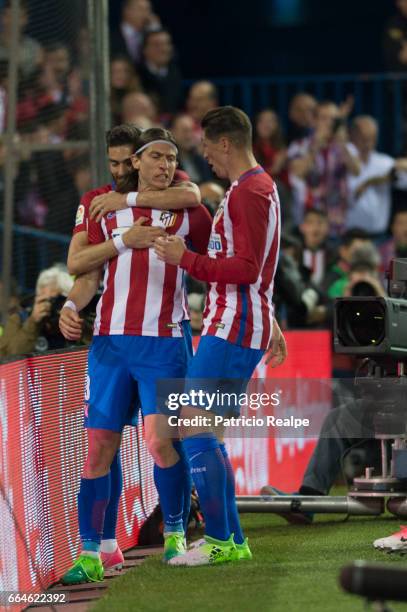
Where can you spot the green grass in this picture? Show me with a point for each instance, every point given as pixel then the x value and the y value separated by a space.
pixel 294 569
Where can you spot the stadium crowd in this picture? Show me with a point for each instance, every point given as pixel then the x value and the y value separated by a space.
pixel 344 203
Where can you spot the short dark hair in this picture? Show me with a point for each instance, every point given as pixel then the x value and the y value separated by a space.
pixel 155 133
pixel 228 121
pixel 354 234
pixel 316 211
pixel 125 134
pixel 150 33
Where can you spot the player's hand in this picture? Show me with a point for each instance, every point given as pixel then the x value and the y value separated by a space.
pixel 106 202
pixel 141 236
pixel 70 324
pixel 170 249
pixel 277 350
pixel 41 309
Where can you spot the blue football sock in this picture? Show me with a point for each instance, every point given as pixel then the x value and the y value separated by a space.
pixel 209 475
pixel 232 511
pixel 170 486
pixel 179 447
pixel 116 486
pixel 93 498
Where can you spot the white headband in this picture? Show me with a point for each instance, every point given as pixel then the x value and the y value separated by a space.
pixel 141 149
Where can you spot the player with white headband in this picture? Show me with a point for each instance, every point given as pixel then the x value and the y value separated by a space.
pixel 138 338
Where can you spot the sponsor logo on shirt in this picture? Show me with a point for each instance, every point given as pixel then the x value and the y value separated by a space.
pixel 168 218
pixel 215 243
pixel 80 214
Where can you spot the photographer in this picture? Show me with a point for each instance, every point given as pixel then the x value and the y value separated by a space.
pixel 35 328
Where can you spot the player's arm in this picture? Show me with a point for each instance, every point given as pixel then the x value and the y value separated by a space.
pixel 181 195
pixel 200 224
pixel 83 290
pixel 84 257
pixel 249 214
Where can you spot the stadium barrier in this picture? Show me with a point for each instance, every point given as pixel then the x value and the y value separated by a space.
pixel 42 446
pixel 381 95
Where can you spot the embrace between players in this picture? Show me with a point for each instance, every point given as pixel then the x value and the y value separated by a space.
pixel 137 230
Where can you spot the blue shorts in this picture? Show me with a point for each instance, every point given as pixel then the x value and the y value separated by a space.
pixel 224 366
pixel 122 374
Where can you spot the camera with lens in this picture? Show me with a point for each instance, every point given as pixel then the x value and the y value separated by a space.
pixel 374 326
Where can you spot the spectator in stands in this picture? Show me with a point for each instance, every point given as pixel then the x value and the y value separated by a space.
pixel 138 108
pixel 77 102
pixel 35 328
pixel 57 67
pixel 301 113
pixel 395 40
pixel 364 258
pixel 299 303
pixel 316 254
pixel 397 245
pixel 137 19
pixel 31 54
pixel 196 306
pixel 32 96
pixel 269 145
pixel 189 159
pixel 52 121
pixel 159 74
pixel 123 80
pixel 370 192
pixel 202 97
pixel 338 275
pixel 47 181
pixel 319 167
pixel 212 194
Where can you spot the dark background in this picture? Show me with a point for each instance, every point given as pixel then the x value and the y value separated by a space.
pixel 270 37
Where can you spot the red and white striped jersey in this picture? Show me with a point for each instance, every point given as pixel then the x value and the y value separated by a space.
pixel 82 214
pixel 142 295
pixel 241 262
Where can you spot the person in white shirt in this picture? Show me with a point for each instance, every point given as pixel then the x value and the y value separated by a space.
pixel 370 191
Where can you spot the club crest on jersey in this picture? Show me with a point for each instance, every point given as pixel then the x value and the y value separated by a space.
pixel 110 215
pixel 80 214
pixel 215 243
pixel 168 218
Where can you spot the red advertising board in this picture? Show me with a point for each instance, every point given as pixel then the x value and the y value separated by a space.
pixel 42 447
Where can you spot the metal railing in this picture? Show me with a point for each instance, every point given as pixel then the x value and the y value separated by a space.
pixel 34 250
pixel 380 95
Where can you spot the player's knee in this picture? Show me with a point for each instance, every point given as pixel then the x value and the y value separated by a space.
pixel 99 459
pixel 161 450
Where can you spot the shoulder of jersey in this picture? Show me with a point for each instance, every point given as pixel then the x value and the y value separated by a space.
pixel 89 195
pixel 180 177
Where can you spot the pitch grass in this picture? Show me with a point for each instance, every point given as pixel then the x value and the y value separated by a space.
pixel 294 569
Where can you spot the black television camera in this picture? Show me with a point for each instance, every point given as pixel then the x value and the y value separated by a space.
pixel 376 328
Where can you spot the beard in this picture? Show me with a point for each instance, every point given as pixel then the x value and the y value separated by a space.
pixel 128 183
